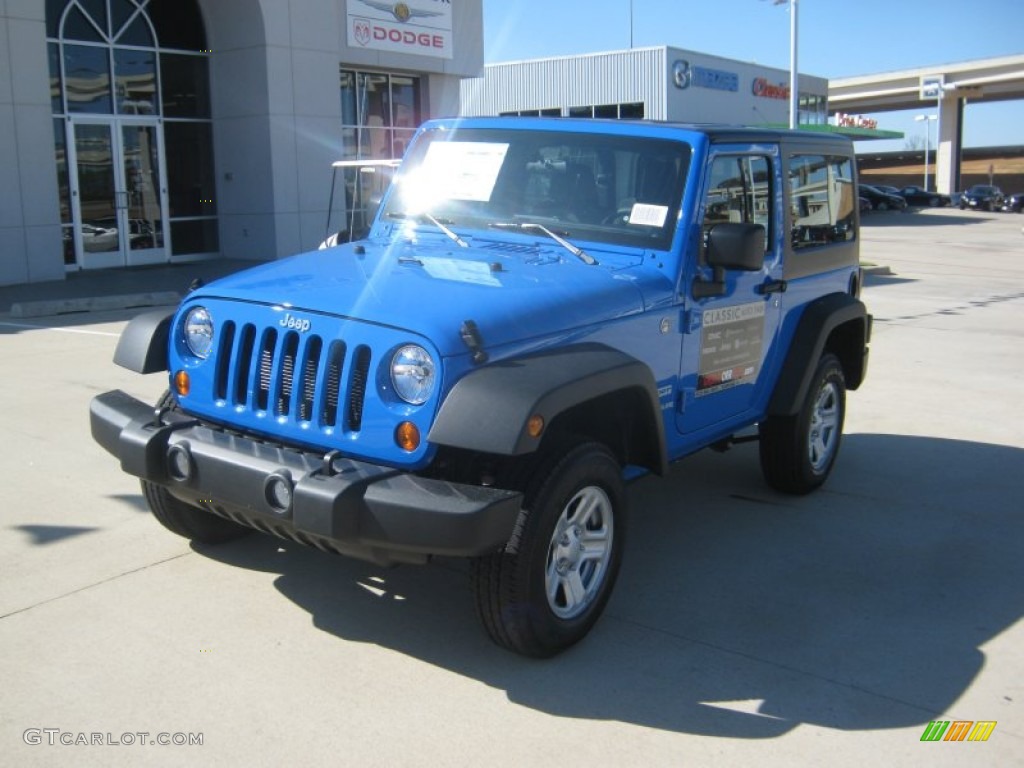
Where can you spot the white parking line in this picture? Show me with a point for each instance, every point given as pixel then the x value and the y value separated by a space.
pixel 64 330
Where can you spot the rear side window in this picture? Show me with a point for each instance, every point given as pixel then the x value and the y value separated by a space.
pixel 739 191
pixel 823 200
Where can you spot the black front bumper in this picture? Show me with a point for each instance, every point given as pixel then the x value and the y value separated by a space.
pixel 350 507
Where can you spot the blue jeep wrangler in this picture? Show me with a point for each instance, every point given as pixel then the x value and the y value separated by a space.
pixel 541 311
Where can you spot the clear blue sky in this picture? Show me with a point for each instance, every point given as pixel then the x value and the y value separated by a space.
pixel 837 38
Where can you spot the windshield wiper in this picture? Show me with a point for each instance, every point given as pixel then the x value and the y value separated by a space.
pixel 440 224
pixel 576 251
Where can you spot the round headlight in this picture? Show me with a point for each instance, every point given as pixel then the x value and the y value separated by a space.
pixel 199 332
pixel 412 373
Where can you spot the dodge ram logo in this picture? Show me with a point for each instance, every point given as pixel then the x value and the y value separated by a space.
pixel 361 29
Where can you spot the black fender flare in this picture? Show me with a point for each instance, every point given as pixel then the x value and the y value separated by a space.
pixel 143 344
pixel 489 408
pixel 817 323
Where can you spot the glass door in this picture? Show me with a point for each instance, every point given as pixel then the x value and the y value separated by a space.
pixel 142 194
pixel 117 193
pixel 94 195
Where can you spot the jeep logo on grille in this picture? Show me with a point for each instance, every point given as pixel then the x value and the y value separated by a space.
pixel 291 322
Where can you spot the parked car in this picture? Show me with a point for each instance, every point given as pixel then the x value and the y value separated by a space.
pixel 919 196
pixel 882 201
pixel 887 189
pixel 982 197
pixel 1014 203
pixel 865 204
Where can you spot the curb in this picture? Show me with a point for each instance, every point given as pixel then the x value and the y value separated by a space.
pixel 46 307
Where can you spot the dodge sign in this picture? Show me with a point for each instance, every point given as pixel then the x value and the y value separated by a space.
pixel 420 27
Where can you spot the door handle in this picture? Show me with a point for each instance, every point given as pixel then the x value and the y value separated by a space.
pixel 772 286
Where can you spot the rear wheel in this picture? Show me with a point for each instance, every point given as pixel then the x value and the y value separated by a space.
pixel 797 452
pixel 547 593
pixel 184 519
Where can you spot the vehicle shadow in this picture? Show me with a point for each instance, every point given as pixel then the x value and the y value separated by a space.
pixel 739 612
pixel 879 280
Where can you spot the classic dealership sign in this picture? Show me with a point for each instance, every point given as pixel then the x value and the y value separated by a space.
pixel 421 27
pixel 766 90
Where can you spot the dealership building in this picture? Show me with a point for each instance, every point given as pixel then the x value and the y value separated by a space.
pixel 137 132
pixel 659 83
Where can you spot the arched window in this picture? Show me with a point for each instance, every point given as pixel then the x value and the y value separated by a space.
pixel 136 60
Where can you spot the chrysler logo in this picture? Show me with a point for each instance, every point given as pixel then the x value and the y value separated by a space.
pixel 401 11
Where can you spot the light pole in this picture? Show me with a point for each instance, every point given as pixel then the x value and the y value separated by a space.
pixel 794 81
pixel 631 25
pixel 927 142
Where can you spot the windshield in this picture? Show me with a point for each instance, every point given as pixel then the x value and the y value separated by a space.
pixel 622 190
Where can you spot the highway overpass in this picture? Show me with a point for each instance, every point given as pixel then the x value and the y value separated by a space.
pixel 945 87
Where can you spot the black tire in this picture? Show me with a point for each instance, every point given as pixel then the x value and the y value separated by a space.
pixel 933 202
pixel 798 452
pixel 576 499
pixel 882 206
pixel 184 519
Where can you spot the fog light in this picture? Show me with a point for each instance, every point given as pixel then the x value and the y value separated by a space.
pixel 182 383
pixel 277 490
pixel 407 436
pixel 179 462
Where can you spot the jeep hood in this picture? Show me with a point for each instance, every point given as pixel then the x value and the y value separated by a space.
pixel 431 289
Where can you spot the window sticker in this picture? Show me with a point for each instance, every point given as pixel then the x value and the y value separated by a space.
pixel 476 272
pixel 647 215
pixel 463 170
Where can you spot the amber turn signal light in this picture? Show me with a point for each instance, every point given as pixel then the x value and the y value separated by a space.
pixel 535 425
pixel 182 383
pixel 407 436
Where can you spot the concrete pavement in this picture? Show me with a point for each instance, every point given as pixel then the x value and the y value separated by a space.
pixel 747 627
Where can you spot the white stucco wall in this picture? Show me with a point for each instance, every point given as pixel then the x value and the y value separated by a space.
pixel 30 241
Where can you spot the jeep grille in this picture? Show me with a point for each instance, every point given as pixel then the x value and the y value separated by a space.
pixel 298 377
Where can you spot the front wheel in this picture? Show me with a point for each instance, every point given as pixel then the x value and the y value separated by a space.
pixel 546 591
pixel 797 452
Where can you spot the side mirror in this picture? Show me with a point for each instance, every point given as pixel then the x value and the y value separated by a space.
pixel 730 246
pixel 736 246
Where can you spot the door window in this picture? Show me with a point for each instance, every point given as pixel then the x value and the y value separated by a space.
pixel 739 191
